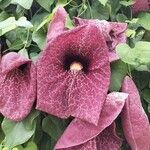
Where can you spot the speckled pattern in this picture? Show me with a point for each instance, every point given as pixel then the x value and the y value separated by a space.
pixel 79 132
pixel 113 32
pixel 134 120
pixel 106 140
pixel 81 94
pixel 140 5
pixel 17 86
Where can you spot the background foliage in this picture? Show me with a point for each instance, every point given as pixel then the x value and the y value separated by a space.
pixel 23 28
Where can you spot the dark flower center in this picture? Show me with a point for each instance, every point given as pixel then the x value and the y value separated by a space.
pixel 76 63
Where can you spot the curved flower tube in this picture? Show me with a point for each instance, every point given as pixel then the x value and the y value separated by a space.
pixel 134 120
pixel 80 134
pixel 113 32
pixel 17 86
pixel 140 5
pixel 73 73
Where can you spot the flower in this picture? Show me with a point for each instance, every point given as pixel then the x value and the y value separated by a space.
pixel 135 122
pixel 17 86
pixel 81 135
pixel 139 6
pixel 73 71
pixel 113 32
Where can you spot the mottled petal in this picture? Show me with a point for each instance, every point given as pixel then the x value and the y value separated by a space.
pixel 108 139
pixel 79 132
pixel 82 94
pixel 57 25
pixel 114 33
pixel 140 5
pixel 134 119
pixel 17 86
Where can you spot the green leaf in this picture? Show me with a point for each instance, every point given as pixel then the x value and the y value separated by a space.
pixel 24 3
pixel 53 126
pixel 146 95
pixel 144 20
pixel 69 23
pixel 17 133
pixel 149 108
pixel 127 3
pixel 141 78
pixel 39 37
pixel 139 55
pixel 103 2
pixel 31 146
pixel 24 53
pixel 4 4
pixel 46 4
pixel 3 16
pixel 96 11
pixel 23 22
pixel 118 72
pixel 10 24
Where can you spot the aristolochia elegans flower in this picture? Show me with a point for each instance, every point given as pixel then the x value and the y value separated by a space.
pixel 113 32
pixel 73 71
pixel 83 136
pixel 140 5
pixel 17 86
pixel 134 120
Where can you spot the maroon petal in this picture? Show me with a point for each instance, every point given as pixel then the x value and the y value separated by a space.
pixel 134 120
pixel 82 94
pixel 57 25
pixel 140 5
pixel 114 33
pixel 79 132
pixel 108 139
pixel 17 86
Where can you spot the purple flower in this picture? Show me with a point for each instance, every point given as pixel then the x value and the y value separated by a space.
pixel 81 135
pixel 73 71
pixel 113 32
pixel 17 86
pixel 134 120
pixel 140 5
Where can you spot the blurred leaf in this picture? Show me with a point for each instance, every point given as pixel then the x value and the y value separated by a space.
pixel 23 22
pixel 24 3
pixel 96 11
pixel 31 146
pixel 19 132
pixel 39 37
pixel 127 3
pixel 3 16
pixel 149 108
pixel 4 3
pixel 144 20
pixel 146 95
pixel 121 18
pixel 53 126
pixel 103 2
pixel 139 55
pixel 141 79
pixel 46 4
pixel 69 23
pixel 38 18
pixel 24 53
pixel 118 72
pixel 10 24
